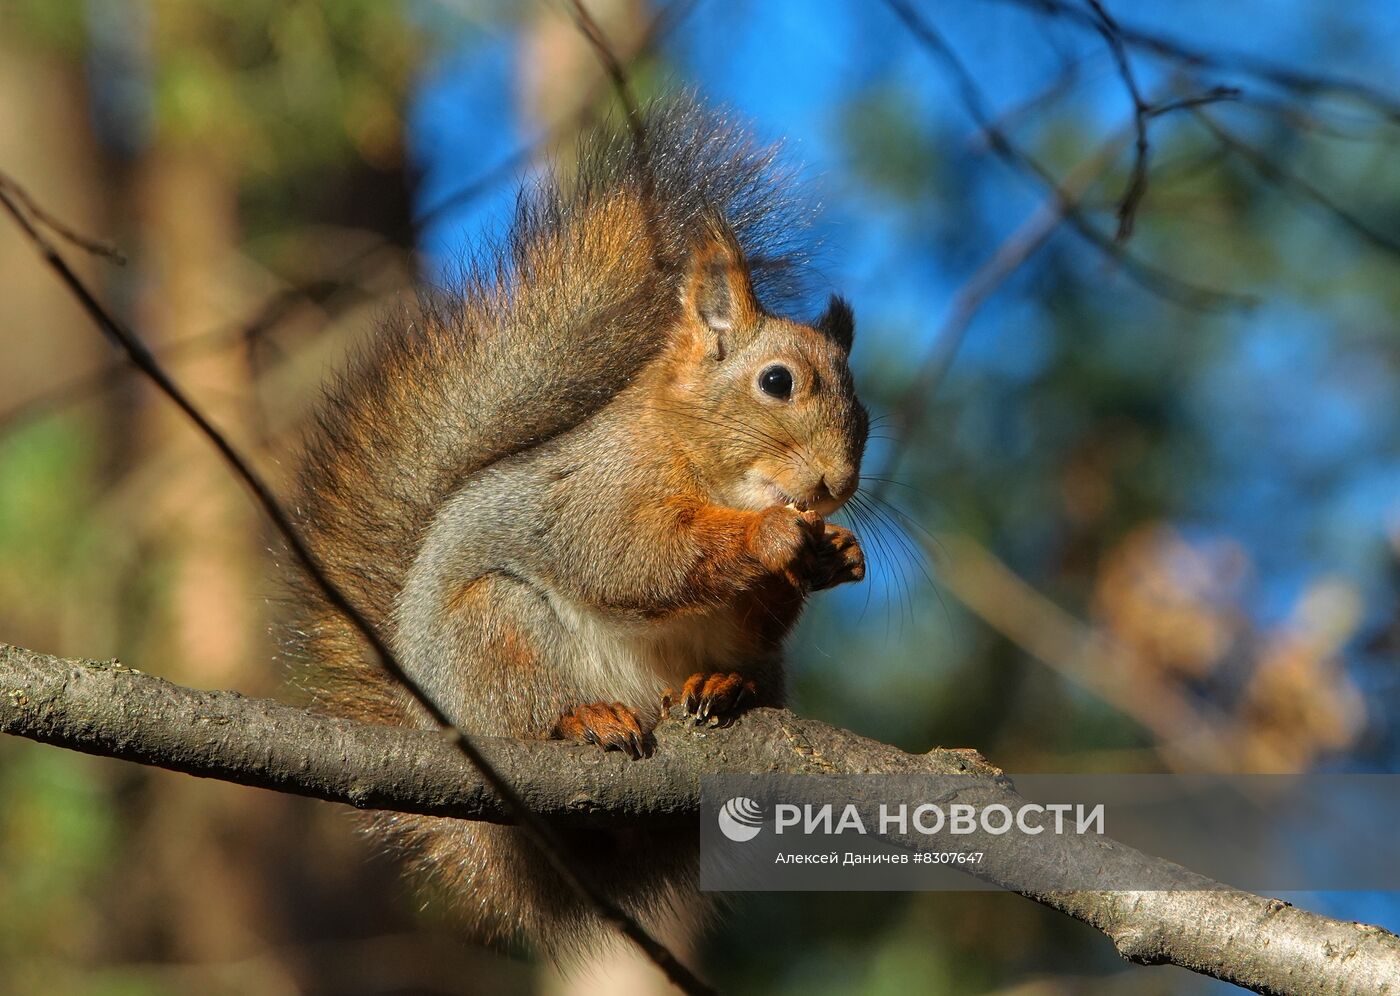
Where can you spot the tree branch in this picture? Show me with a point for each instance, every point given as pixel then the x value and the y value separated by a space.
pixel 106 709
pixel 1142 111
pixel 974 100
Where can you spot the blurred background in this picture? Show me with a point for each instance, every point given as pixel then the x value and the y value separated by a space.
pixel 1134 504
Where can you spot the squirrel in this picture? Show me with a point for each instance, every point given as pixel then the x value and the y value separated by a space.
pixel 595 469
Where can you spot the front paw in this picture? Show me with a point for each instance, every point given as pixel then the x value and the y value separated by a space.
pixel 713 697
pixel 809 552
pixel 610 726
pixel 786 542
pixel 838 559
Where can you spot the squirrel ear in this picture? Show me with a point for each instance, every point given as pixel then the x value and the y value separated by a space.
pixel 718 293
pixel 838 322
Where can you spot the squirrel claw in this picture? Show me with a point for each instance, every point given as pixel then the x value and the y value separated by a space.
pixel 715 698
pixel 838 559
pixel 611 726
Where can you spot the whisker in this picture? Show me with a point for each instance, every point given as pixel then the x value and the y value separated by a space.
pixel 797 449
pixel 895 561
pixel 914 552
pixel 770 436
pixel 909 520
pixel 748 429
pixel 900 520
pixel 763 442
pixel 857 523
pixel 878 554
pixel 898 484
pixel 778 422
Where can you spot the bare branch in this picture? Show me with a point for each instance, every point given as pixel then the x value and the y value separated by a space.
pixel 334 293
pixel 617 77
pixel 1137 179
pixel 657 29
pixel 1215 95
pixel 1190 735
pixel 1065 81
pixel 1163 284
pixel 1295 184
pixel 1064 200
pixel 1008 257
pixel 344 276
pixel 103 708
pixel 39 215
pixel 1287 77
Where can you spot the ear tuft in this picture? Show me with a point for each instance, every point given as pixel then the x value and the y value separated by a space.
pixel 713 295
pixel 838 322
pixel 718 293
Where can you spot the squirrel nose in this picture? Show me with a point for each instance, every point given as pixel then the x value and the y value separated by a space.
pixel 834 484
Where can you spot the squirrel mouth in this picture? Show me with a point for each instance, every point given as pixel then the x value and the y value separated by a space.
pixel 781 497
pixel 792 503
pixel 762 490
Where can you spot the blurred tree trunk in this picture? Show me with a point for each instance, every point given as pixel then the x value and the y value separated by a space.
pixel 195 900
pixel 188 209
pixel 47 145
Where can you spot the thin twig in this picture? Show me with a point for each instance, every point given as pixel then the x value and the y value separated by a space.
pixel 1215 95
pixel 1190 735
pixel 534 829
pixel 1163 284
pixel 1007 120
pixel 1287 77
pixel 1295 184
pixel 612 66
pixel 270 314
pixel 1137 179
pixel 617 76
pixel 1008 257
pixel 87 243
pixel 657 29
pixel 1324 121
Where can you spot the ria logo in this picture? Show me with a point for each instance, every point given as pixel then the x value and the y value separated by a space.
pixel 740 819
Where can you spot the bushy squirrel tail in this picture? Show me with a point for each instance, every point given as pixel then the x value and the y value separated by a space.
pixel 543 327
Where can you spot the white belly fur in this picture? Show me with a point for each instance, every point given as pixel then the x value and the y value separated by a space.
pixel 632 662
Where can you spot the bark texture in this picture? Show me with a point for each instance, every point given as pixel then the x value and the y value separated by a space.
pixel 110 710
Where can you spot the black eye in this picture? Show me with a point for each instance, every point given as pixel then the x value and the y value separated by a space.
pixel 776 381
